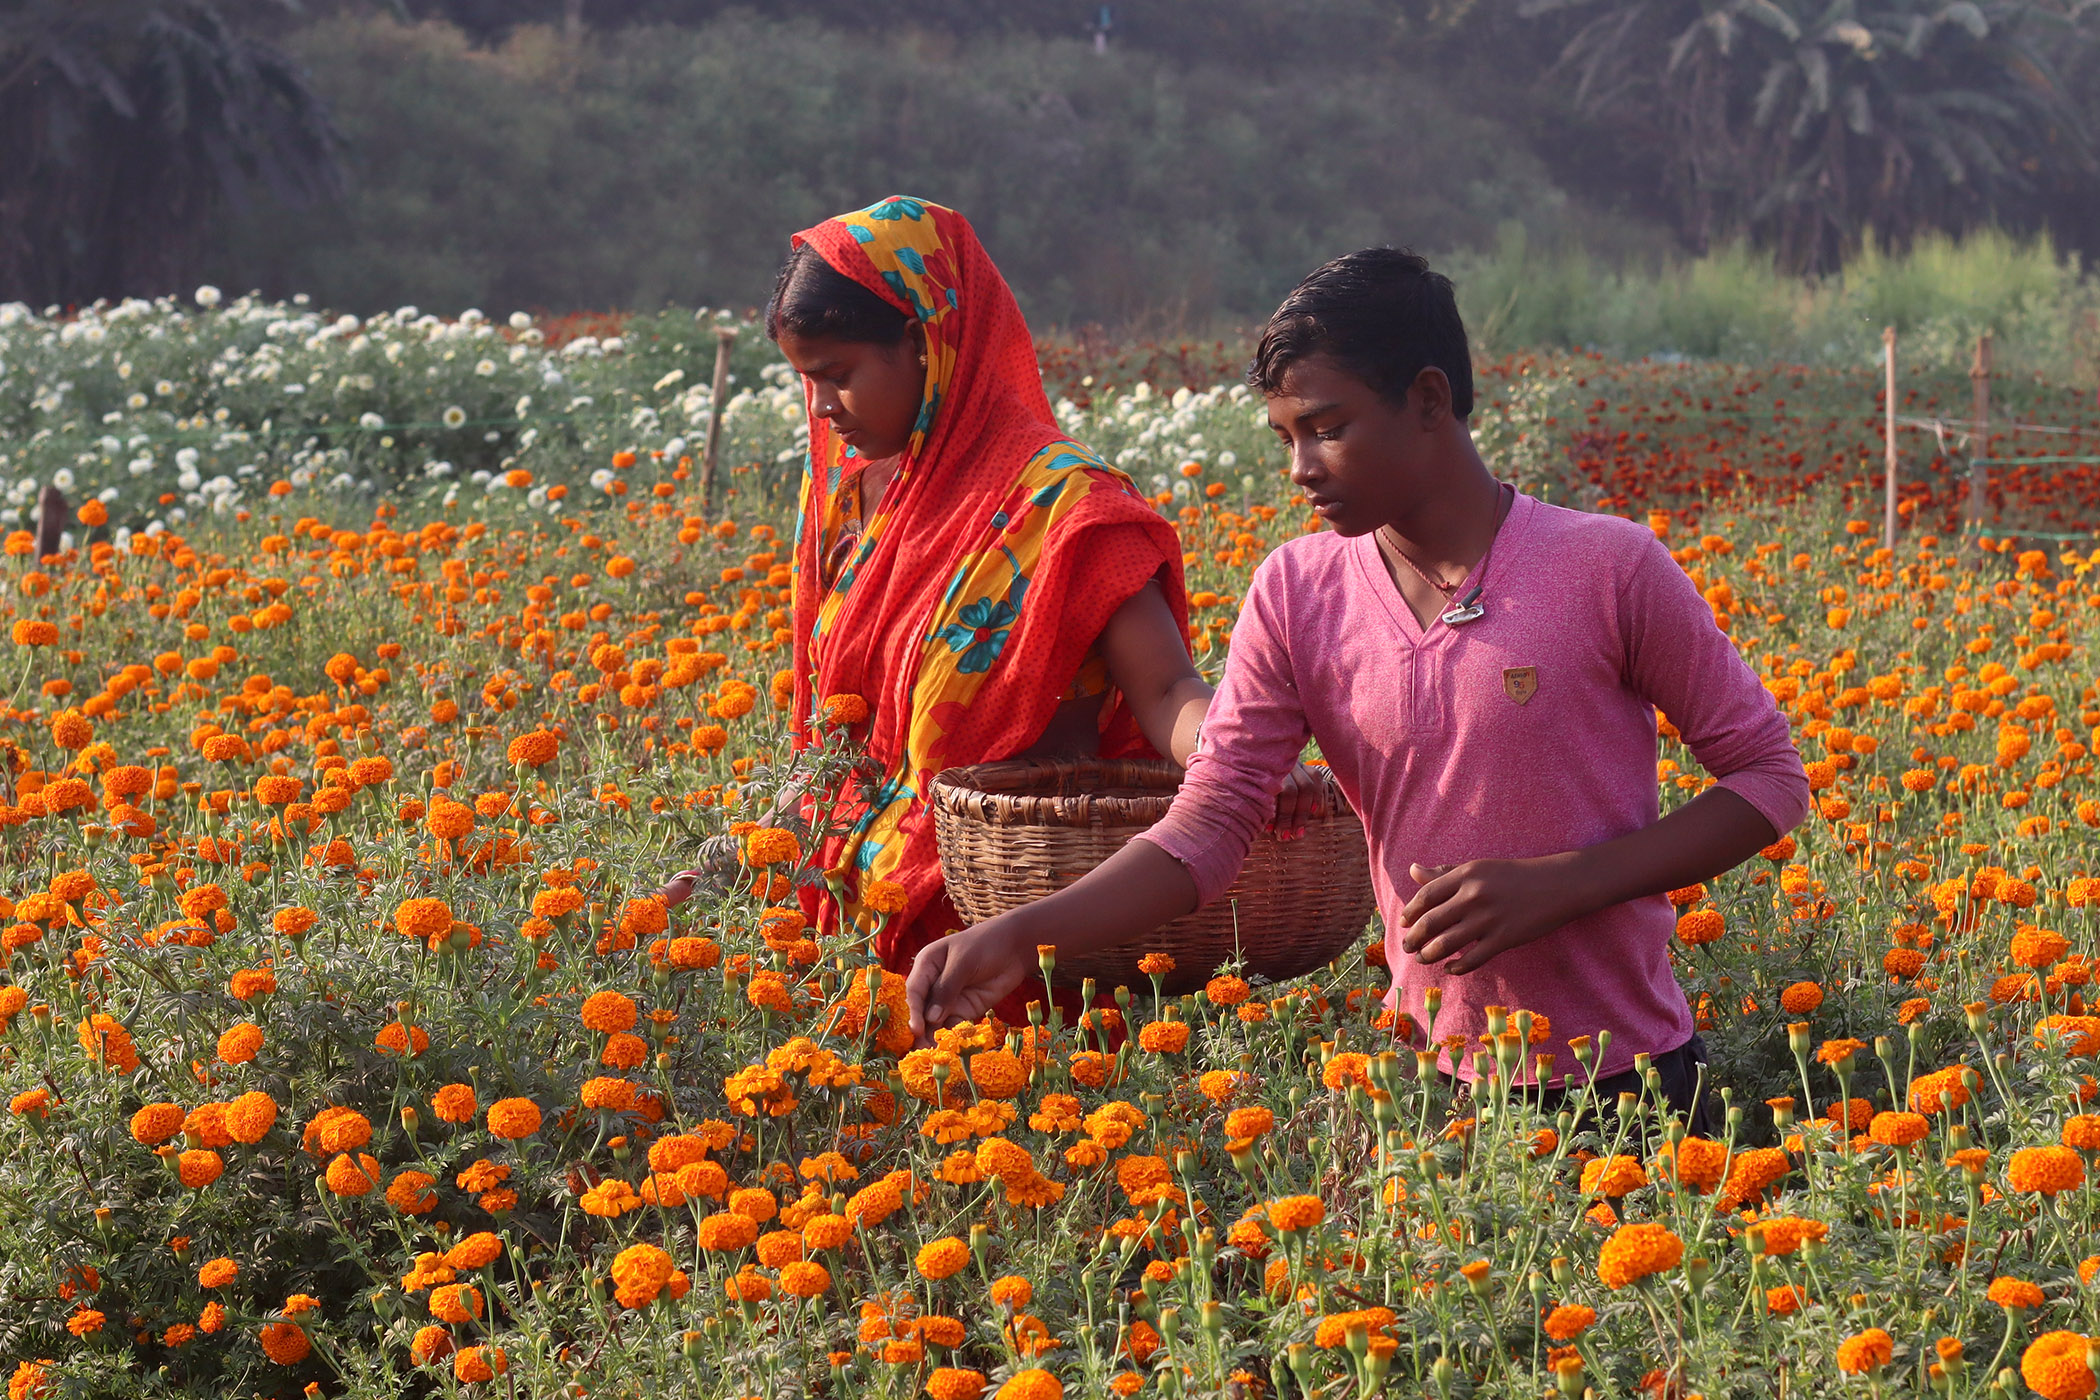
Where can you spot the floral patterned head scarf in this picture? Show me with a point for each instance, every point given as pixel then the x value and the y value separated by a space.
pixel 981 582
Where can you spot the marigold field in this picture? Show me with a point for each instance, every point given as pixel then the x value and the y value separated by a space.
pixel 346 1051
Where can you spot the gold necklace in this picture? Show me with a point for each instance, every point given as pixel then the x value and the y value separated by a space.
pixel 1466 609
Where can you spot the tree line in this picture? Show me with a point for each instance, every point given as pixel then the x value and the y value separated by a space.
pixel 137 132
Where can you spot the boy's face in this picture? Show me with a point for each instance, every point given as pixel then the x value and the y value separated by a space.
pixel 1361 460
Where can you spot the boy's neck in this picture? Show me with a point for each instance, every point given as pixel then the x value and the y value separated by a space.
pixel 1453 525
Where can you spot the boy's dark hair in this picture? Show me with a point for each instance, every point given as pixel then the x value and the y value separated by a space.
pixel 813 299
pixel 1381 315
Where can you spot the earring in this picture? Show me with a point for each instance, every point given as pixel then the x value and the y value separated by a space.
pixel 922 362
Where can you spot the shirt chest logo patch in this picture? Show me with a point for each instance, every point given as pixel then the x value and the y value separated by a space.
pixel 1520 683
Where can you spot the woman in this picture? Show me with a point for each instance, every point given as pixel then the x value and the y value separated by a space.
pixel 988 587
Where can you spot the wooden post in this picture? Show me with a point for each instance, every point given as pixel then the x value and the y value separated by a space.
pixel 725 336
pixel 1888 522
pixel 1979 442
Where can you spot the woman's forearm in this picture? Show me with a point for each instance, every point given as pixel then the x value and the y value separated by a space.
pixel 1183 708
pixel 1120 901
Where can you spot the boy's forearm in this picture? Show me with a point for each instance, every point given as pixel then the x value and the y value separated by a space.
pixel 1714 832
pixel 1120 902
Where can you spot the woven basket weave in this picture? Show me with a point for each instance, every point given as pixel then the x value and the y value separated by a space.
pixel 1012 833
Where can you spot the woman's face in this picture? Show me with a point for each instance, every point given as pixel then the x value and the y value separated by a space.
pixel 869 394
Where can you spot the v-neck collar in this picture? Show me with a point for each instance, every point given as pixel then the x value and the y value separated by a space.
pixel 1370 562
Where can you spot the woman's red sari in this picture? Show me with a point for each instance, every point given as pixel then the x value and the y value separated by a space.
pixel 977 590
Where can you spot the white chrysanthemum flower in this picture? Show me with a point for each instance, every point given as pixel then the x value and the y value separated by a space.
pixel 136 401
pixel 186 458
pixel 485 368
pixel 208 297
pixel 370 420
pixel 519 321
pixel 164 388
pixel 454 417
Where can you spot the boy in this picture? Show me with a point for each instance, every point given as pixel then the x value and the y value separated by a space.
pixel 1482 673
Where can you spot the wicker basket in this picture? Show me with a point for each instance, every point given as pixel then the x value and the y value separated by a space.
pixel 1012 833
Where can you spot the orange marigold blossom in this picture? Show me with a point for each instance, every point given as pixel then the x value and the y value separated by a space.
pixel 1633 1252
pixel 2054 1366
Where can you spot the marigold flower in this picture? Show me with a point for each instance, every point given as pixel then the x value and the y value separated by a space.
pixel 801 1278
pixel 2054 1366
pixel 431 1343
pixel 955 1383
pixel 534 750
pixel 726 1232
pixel 472 1365
pixel 1700 926
pixel 2014 1293
pixel 156 1123
pixel 1612 1177
pixel 199 1168
pixel 1786 1300
pixel 770 845
pixel 1164 1037
pixel 513 1118
pixel 1294 1214
pixel 2045 1170
pixel 640 1271
pixel 1634 1252
pixel 423 919
pixel 608 1094
pixel 1568 1321
pixel 217 1273
pixel 1898 1129
pixel 607 1012
pixel 1801 998
pixel 455 1302
pixel 1032 1384
pixel 943 1258
pixel 250 1117
pixel 409 1192
pixel 285 1343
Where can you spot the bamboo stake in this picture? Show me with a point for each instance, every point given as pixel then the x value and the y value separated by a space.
pixel 725 336
pixel 1888 522
pixel 1979 445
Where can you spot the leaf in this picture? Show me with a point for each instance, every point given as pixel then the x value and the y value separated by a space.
pixel 1773 18
pixel 1859 110
pixel 1851 31
pixel 1969 17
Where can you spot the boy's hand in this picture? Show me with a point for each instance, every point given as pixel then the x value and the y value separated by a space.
pixel 960 977
pixel 1480 909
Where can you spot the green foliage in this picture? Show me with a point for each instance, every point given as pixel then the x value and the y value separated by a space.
pixel 671 164
pixel 1806 126
pixel 129 122
pixel 1732 304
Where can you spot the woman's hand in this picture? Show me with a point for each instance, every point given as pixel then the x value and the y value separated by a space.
pixel 961 977
pixel 717 866
pixel 1299 800
pixel 1480 909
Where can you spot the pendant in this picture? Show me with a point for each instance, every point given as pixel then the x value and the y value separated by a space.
pixel 1466 609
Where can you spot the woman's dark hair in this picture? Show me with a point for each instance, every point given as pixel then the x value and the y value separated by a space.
pixel 815 300
pixel 1381 315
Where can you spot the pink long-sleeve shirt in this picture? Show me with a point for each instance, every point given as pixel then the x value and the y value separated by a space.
pixel 1528 732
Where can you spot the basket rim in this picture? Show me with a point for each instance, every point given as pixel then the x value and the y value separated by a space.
pixel 994 793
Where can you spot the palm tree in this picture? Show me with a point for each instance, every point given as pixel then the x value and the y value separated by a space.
pixel 127 123
pixel 1808 125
